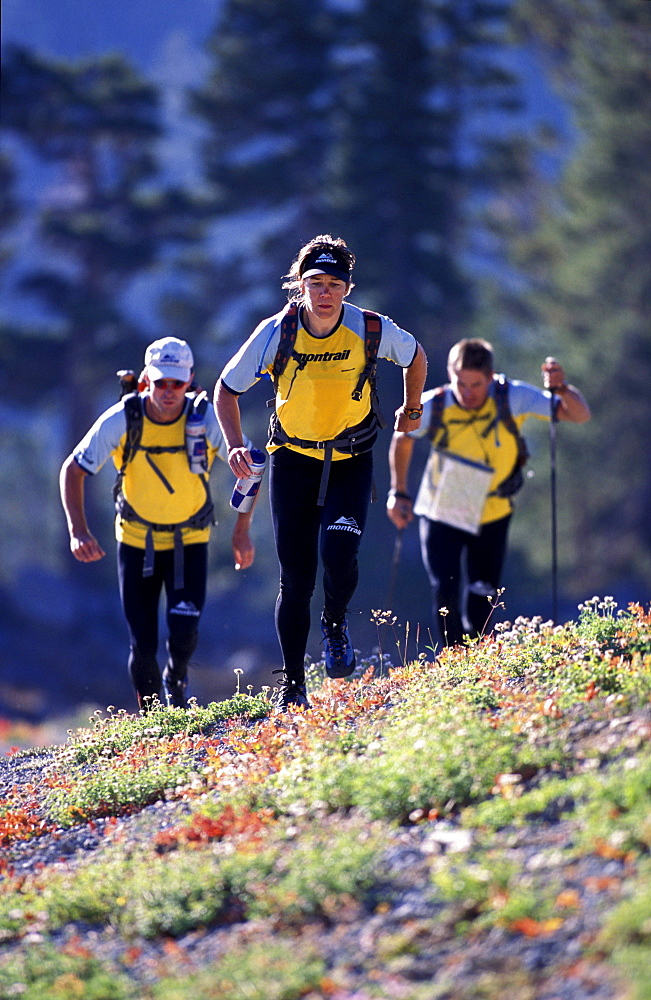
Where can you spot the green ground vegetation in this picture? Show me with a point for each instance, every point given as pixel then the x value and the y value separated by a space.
pixel 267 825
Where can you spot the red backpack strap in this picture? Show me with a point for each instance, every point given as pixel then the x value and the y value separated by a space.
pixel 372 333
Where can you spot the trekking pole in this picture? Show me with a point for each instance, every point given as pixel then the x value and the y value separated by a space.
pixel 552 480
pixel 397 550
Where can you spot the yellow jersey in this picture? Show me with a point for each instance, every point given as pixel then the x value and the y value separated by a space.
pixel 157 484
pixel 314 393
pixel 479 436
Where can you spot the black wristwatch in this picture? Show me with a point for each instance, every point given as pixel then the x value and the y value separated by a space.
pixel 414 412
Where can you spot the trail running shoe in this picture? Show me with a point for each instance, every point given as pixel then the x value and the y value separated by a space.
pixel 339 653
pixel 289 692
pixel 174 692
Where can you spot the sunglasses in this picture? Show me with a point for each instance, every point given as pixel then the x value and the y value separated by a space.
pixel 168 383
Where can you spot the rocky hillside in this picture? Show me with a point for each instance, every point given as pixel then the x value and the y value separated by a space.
pixel 474 826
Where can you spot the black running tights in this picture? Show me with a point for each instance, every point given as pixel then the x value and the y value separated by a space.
pixel 140 600
pixel 443 549
pixel 303 531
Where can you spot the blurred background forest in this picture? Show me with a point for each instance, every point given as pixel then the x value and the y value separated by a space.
pixel 487 160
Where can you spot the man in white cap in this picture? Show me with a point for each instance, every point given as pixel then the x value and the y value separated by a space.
pixel 164 512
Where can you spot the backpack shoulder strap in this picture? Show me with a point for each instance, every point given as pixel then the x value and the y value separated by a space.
pixel 372 337
pixel 134 413
pixel 372 334
pixel 438 406
pixel 505 417
pixel 288 331
pixel 503 406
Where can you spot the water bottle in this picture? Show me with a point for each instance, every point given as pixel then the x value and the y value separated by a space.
pixel 245 490
pixel 195 440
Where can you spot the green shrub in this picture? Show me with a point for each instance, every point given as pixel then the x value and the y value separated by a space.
pixel 270 970
pixel 114 733
pixel 627 933
pixel 118 787
pixel 42 972
pixel 619 808
pixel 433 755
pixel 144 895
pixel 556 794
pixel 180 891
pixel 322 870
pixel 316 780
pixel 601 623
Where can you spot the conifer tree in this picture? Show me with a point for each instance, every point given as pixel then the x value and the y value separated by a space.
pixel 8 205
pixel 363 121
pixel 587 261
pixel 104 219
pixel 396 171
pixel 266 106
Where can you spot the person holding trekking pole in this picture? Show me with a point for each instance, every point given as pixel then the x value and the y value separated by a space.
pixel 321 352
pixel 474 468
pixel 163 440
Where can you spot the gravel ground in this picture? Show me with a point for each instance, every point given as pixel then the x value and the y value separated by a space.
pixel 408 942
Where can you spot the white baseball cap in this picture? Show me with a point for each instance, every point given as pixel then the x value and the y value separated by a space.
pixel 169 358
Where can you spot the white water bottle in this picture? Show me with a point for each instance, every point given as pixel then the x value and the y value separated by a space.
pixel 195 440
pixel 245 490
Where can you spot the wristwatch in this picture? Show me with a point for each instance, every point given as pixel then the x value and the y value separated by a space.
pixel 413 412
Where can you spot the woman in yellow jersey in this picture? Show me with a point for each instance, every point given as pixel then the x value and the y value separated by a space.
pixel 320 444
pixel 164 515
pixel 464 500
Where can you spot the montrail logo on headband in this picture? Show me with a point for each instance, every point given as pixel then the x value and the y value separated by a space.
pixel 326 262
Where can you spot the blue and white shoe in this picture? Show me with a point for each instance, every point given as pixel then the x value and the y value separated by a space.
pixel 339 652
